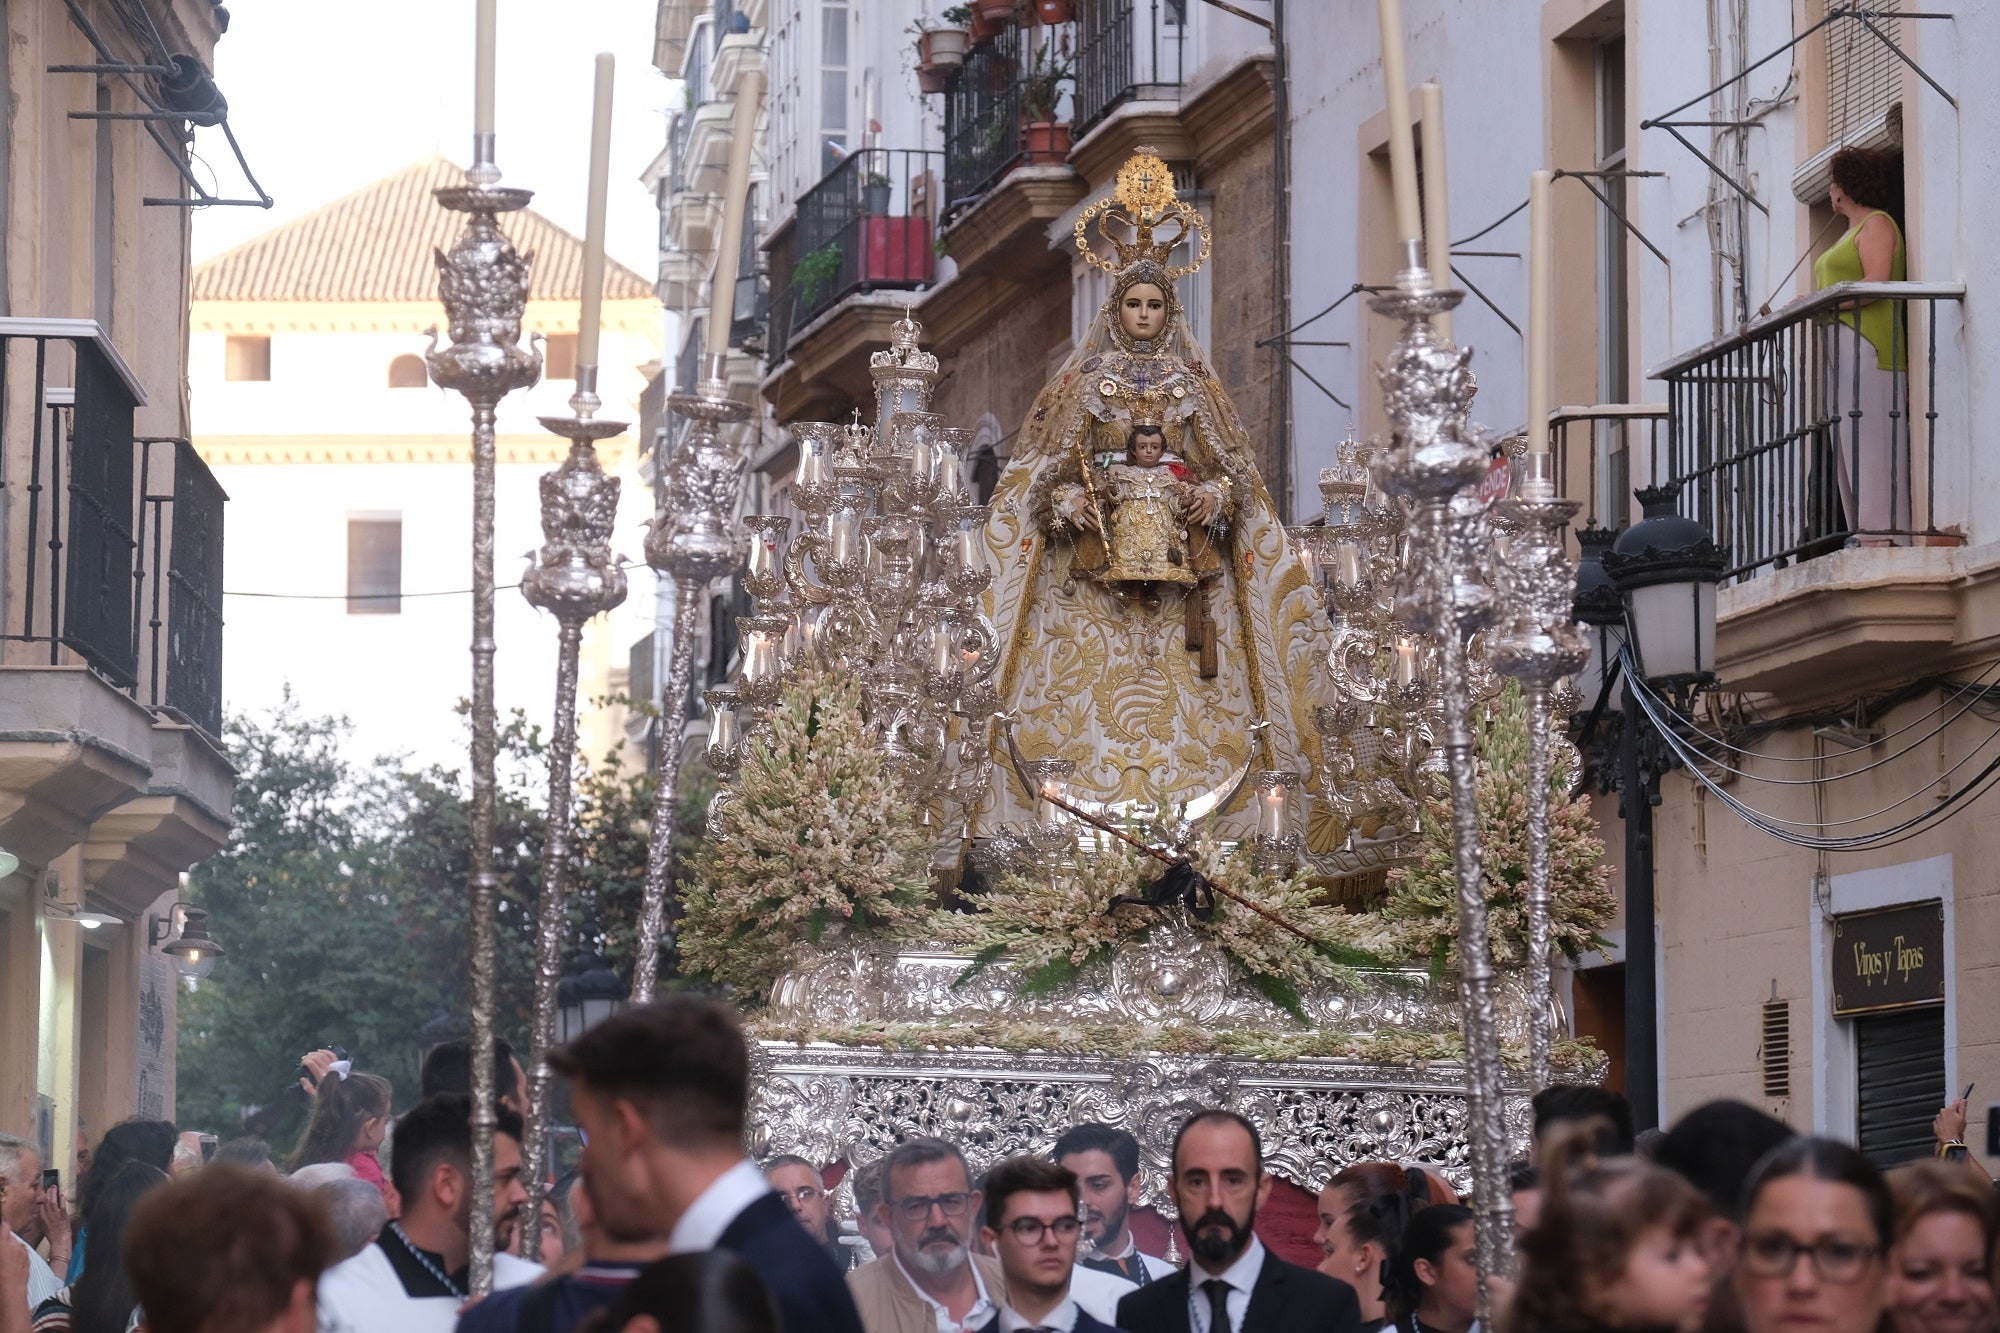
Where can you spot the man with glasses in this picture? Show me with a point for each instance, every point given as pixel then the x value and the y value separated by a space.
pixel 800 1185
pixel 1031 1224
pixel 930 1281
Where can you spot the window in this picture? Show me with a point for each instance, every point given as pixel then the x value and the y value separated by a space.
pixel 1864 78
pixel 246 359
pixel 832 86
pixel 559 357
pixel 375 565
pixel 408 372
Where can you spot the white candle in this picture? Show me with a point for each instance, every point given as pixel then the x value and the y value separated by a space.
pixel 1350 565
pixel 1406 662
pixel 812 468
pixel 483 28
pixel 1402 147
pixel 593 219
pixel 843 538
pixel 1437 236
pixel 942 654
pixel 971 550
pixel 1541 314
pixel 1273 811
pixel 722 728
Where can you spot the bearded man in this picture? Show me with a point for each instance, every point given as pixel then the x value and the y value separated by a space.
pixel 1232 1284
pixel 930 1281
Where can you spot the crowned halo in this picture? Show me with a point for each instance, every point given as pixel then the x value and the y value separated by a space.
pixel 1144 197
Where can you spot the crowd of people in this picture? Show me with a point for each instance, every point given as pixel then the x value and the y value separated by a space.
pixel 1726 1223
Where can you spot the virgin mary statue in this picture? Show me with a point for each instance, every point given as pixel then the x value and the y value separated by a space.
pixel 1150 608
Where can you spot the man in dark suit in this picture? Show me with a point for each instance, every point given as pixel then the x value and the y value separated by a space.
pixel 1032 1226
pixel 660 1093
pixel 1232 1284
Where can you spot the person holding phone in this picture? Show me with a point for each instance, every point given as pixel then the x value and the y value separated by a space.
pixel 1949 1131
pixel 30 1214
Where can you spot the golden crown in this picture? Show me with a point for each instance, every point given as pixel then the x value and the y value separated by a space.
pixel 1144 198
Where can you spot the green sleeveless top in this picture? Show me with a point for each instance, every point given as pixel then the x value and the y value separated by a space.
pixel 1877 320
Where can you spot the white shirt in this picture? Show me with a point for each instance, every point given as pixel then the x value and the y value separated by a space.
pixel 982 1311
pixel 702 1225
pixel 1098 1293
pixel 364 1295
pixel 1155 1268
pixel 1063 1317
pixel 1241 1277
pixel 43 1284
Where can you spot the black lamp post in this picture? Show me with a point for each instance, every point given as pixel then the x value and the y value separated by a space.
pixel 587 994
pixel 1648 600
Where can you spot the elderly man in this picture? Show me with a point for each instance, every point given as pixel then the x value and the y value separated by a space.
pixel 930 1281
pixel 1232 1284
pixel 29 1214
pixel 800 1185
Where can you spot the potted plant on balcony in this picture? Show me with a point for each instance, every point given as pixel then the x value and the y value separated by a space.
pixel 1054 11
pixel 813 276
pixel 875 194
pixel 941 48
pixel 1041 95
pixel 985 21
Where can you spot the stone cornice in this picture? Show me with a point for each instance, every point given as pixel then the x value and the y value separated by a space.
pixel 1000 244
pixel 633 317
pixel 826 364
pixel 542 449
pixel 1233 115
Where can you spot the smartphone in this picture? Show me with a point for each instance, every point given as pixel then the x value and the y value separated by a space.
pixel 51 1180
pixel 207 1142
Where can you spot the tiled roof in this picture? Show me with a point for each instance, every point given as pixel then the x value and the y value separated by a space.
pixel 376 244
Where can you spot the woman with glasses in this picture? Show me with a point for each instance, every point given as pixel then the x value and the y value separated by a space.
pixel 1940 1280
pixel 1817 1223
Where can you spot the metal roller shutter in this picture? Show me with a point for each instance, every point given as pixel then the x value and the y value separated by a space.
pixel 1901 1083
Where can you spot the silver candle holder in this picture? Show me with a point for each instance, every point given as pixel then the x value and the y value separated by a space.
pixel 483 283
pixel 574 577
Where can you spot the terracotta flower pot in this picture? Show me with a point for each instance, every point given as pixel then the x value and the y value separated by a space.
pixel 1054 11
pixel 983 28
pixel 1048 143
pixel 933 78
pixel 994 11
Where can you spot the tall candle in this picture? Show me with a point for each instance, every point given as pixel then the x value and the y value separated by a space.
pixel 1437 235
pixel 1402 147
pixel 1541 313
pixel 483 28
pixel 1406 662
pixel 593 218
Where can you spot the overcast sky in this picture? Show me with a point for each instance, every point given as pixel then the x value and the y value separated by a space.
pixel 327 98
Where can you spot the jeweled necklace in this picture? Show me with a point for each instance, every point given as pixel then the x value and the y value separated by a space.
pixel 425 1260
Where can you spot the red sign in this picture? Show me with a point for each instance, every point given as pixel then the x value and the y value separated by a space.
pixel 1499 479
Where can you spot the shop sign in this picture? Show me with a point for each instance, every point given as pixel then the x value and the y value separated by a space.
pixel 1891 958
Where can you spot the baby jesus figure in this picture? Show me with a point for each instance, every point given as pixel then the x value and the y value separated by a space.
pixel 1152 502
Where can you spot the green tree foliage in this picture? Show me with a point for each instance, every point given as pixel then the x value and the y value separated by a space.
pixel 342 900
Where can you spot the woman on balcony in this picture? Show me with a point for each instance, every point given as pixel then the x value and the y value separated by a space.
pixel 1873 448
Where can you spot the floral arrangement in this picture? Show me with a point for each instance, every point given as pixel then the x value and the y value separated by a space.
pixel 819 835
pixel 1422 906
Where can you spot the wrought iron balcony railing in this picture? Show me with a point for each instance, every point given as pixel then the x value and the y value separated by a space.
pixel 1792 439
pixel 982 117
pixel 869 224
pixel 1601 452
pixel 1126 50
pixel 119 539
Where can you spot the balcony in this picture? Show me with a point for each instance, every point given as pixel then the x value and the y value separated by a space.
pixel 692 223
pixel 1816 470
pixel 982 118
pixel 870 224
pixel 1127 50
pixel 111 646
pixel 1790 443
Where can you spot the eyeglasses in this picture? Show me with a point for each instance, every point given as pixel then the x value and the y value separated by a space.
pixel 917 1207
pixel 1030 1230
pixel 805 1193
pixel 1774 1254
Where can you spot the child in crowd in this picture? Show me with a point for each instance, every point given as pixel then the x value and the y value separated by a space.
pixel 349 1120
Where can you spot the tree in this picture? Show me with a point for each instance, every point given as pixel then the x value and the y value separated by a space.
pixel 344 900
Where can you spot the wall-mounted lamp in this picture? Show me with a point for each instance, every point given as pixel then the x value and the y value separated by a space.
pixel 55 908
pixel 184 931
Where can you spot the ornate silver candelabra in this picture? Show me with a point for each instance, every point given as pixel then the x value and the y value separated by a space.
pixel 483 283
pixel 574 577
pixel 693 539
pixel 1444 590
pixel 881 583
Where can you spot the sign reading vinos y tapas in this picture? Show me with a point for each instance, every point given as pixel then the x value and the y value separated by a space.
pixel 1891 958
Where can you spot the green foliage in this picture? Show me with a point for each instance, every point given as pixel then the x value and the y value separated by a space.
pixel 342 898
pixel 818 834
pixel 814 275
pixel 1423 898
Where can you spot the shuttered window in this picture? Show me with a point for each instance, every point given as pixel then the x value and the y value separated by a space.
pixel 1901 1078
pixel 375 566
pixel 1863 76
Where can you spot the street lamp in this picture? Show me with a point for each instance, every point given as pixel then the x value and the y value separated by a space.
pixel 587 994
pixel 1649 601
pixel 187 942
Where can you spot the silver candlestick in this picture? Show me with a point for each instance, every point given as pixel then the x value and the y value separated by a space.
pixel 574 577
pixel 693 539
pixel 1539 646
pixel 1444 590
pixel 483 283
